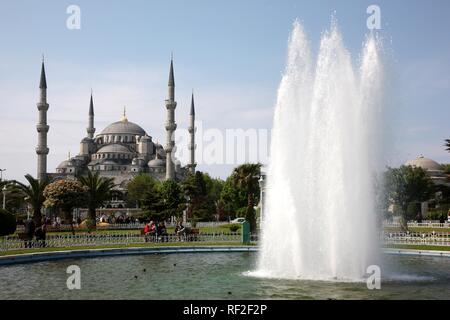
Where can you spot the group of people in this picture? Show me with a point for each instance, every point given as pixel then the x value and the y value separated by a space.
pixel 156 232
pixel 32 232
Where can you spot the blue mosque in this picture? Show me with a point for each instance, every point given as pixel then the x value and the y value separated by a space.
pixel 123 149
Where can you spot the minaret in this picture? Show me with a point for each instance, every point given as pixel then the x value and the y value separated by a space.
pixel 171 126
pixel 90 129
pixel 191 130
pixel 42 128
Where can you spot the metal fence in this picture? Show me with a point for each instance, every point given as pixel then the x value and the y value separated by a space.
pixel 121 226
pixel 424 224
pixel 417 238
pixel 61 241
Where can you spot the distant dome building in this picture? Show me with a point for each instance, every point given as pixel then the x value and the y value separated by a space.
pixel 434 169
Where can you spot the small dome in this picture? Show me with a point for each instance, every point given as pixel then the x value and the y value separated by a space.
pixel 124 127
pixel 63 164
pixel 114 148
pixel 424 163
pixel 157 162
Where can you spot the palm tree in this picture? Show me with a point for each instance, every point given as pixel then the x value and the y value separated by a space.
pixel 447 144
pixel 246 177
pixel 34 193
pixel 98 191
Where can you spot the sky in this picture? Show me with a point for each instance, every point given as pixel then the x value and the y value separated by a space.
pixel 231 53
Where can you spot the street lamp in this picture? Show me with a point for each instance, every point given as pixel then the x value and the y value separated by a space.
pixel 261 198
pixel 4 190
pixel 28 208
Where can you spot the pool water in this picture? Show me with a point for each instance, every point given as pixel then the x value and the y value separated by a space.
pixel 213 276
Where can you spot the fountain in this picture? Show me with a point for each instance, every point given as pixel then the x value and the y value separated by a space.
pixel 320 220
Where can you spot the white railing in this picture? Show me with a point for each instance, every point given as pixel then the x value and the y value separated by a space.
pixel 417 238
pixel 424 224
pixel 61 241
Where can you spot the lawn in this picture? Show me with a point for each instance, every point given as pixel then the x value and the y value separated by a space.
pixel 418 247
pixel 218 229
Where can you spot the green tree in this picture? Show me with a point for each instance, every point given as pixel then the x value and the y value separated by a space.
pixel 246 177
pixel 446 168
pixel 65 195
pixel 201 205
pixel 98 191
pixel 232 198
pixel 34 193
pixel 447 144
pixel 173 199
pixel 152 202
pixel 7 223
pixel 15 202
pixel 138 186
pixel 405 186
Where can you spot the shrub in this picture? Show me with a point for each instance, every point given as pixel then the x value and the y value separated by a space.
pixel 234 227
pixel 7 223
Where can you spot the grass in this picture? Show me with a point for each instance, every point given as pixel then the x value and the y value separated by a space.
pixel 117 246
pixel 218 229
pixel 419 247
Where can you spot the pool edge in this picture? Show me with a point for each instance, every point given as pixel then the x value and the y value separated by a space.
pixel 105 252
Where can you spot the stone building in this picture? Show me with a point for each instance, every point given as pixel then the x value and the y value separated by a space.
pixel 122 150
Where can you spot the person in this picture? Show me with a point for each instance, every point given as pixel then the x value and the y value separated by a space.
pixel 152 232
pixel 40 234
pixel 29 232
pixel 146 231
pixel 162 232
pixel 180 230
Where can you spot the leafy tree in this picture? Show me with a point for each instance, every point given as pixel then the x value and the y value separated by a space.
pixel 447 144
pixel 152 202
pixel 173 199
pixel 138 186
pixel 201 204
pixel 405 186
pixel 65 195
pixel 233 198
pixel 98 190
pixel 7 223
pixel 34 193
pixel 446 168
pixel 246 177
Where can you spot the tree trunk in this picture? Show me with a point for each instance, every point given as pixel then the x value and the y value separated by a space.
pixel 404 219
pixel 37 216
pixel 92 219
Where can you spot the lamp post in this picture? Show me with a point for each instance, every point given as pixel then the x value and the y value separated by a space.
pixel 4 190
pixel 28 208
pixel 261 198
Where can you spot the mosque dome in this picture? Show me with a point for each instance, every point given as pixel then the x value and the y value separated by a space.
pixel 63 164
pixel 425 163
pixel 124 127
pixel 114 148
pixel 157 162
